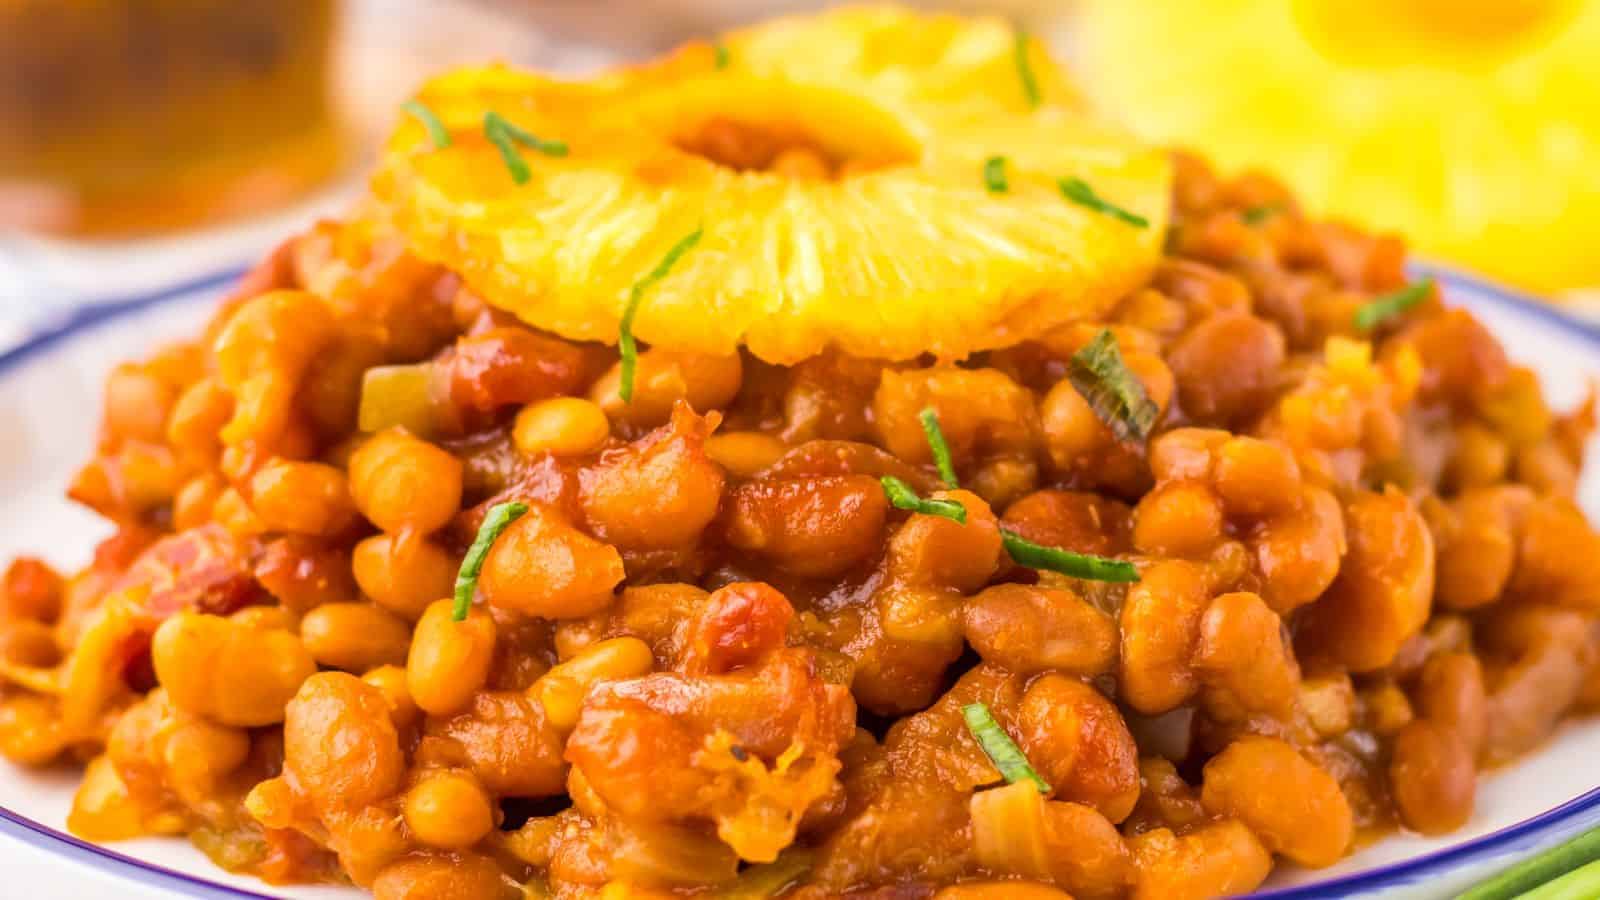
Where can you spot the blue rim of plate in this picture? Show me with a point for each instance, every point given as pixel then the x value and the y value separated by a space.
pixel 1503 841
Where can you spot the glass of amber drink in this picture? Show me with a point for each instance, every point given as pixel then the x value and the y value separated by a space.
pixel 126 116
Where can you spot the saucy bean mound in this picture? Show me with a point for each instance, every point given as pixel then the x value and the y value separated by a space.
pixel 712 657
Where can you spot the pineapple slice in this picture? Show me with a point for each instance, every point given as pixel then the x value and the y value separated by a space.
pixel 836 167
pixel 1469 125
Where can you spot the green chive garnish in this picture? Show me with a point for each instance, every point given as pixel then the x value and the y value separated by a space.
pixel 1078 191
pixel 722 57
pixel 1540 869
pixel 940 448
pixel 630 351
pixel 507 136
pixel 1579 884
pixel 1030 85
pixel 493 121
pixel 499 517
pixel 1370 315
pixel 1255 215
pixel 1001 749
pixel 1116 395
pixel 902 496
pixel 437 133
pixel 994 175
pixel 1073 565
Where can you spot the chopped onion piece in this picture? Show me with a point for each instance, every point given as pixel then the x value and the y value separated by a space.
pixel 399 396
pixel 1008 831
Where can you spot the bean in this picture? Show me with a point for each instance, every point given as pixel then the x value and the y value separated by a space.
pixel 1225 366
pixel 1243 651
pixel 665 377
pixel 1293 805
pixel 508 743
pixel 1031 629
pixel 1384 591
pixel 279 330
pixel 659 492
pixel 136 404
pixel 1177 518
pixel 1078 741
pixel 561 690
pixel 1450 693
pixel 1432 778
pixel 401 482
pixel 197 419
pixel 816 526
pixel 30 730
pixel 744 453
pixel 1216 860
pixel 391 680
pixel 449 660
pixel 354 636
pixel 542 566
pixel 403 574
pixel 1160 628
pixel 561 426
pixel 340 744
pixel 448 810
pixel 227 671
pixel 301 498
pixel 940 552
pixel 1256 478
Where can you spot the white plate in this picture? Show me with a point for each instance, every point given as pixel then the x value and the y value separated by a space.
pixel 49 397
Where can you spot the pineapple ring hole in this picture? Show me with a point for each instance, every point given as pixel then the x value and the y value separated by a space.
pixel 790 130
pixel 783 148
pixel 1460 33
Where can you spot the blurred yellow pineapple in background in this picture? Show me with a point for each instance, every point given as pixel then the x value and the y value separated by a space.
pixel 1471 126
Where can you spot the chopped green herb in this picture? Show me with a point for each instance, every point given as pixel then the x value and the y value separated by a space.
pixel 1030 85
pixel 495 121
pixel 630 350
pixel 1116 395
pixel 1528 874
pixel 1078 191
pixel 722 57
pixel 940 448
pixel 507 136
pixel 1002 750
pixel 1255 215
pixel 437 133
pixel 1074 565
pixel 902 496
pixel 1372 314
pixel 499 517
pixel 508 152
pixel 994 175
